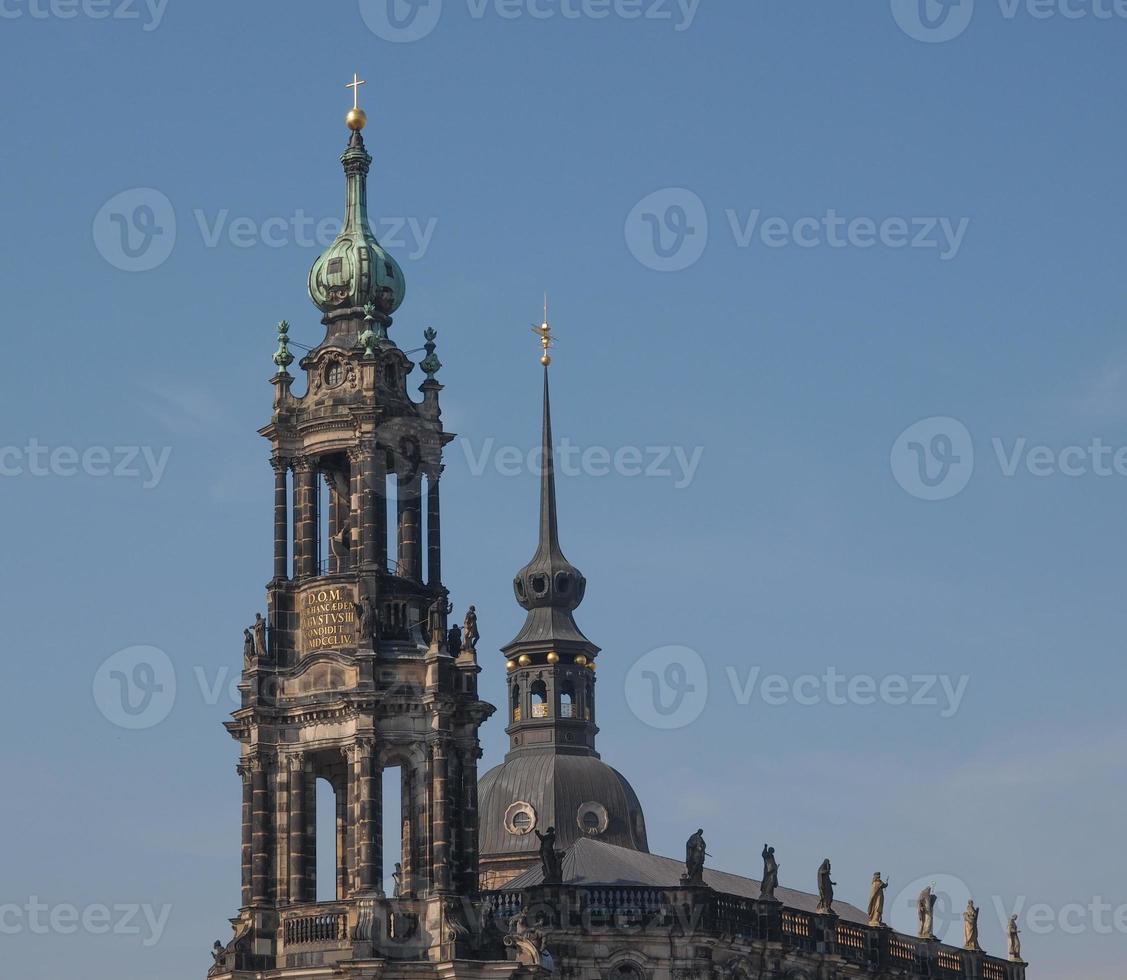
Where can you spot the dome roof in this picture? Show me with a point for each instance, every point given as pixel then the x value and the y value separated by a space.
pixel 356 270
pixel 580 795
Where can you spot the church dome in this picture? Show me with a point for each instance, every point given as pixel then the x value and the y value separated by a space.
pixel 356 270
pixel 580 795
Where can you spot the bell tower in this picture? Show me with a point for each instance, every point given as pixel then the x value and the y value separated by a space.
pixel 552 779
pixel 356 670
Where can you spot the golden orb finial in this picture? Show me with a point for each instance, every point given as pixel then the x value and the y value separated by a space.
pixel 544 331
pixel 357 117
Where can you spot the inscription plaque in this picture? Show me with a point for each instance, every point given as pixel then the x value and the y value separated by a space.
pixel 328 618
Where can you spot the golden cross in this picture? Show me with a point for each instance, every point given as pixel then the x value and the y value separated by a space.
pixel 355 84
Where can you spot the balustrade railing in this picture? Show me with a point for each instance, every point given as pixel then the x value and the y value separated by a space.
pixel 304 927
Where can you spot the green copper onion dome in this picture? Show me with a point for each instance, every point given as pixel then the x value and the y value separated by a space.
pixel 355 271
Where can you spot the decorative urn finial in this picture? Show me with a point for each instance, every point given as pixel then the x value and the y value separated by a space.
pixel 282 356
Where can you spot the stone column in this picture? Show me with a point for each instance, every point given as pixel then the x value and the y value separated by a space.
pixel 368 792
pixel 260 832
pixel 297 828
pixel 369 543
pixel 439 817
pixel 356 504
pixel 408 829
pixel 379 505
pixel 306 531
pixel 281 550
pixel 410 542
pixel 247 850
pixel 434 536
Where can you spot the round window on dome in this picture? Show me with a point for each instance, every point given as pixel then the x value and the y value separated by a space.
pixel 592 818
pixel 334 374
pixel 520 818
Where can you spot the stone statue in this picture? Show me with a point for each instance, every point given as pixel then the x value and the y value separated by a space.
pixel 1014 934
pixel 454 639
pixel 248 648
pixel 259 636
pixel 925 909
pixel 876 901
pixel 217 951
pixel 695 852
pixel 470 635
pixel 550 857
pixel 367 620
pixel 770 874
pixel 970 928
pixel 528 941
pixel 437 615
pixel 397 879
pixel 825 889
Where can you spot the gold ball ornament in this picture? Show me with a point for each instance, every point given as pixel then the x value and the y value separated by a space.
pixel 581 660
pixel 591 665
pixel 553 657
pixel 525 660
pixel 356 119
pixel 510 665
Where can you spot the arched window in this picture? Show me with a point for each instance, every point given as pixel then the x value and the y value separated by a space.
pixel 516 702
pixel 539 700
pixel 567 698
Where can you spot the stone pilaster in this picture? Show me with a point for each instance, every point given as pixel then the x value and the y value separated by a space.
pixel 247 849
pixel 281 529
pixel 297 852
pixel 260 830
pixel 434 536
pixel 410 541
pixel 305 516
pixel 440 816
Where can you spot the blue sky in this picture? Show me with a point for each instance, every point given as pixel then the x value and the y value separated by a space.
pixel 777 236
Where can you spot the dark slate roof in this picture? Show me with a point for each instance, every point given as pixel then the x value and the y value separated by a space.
pixel 556 786
pixel 592 862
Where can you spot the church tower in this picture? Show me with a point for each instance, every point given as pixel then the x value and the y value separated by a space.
pixel 552 777
pixel 355 673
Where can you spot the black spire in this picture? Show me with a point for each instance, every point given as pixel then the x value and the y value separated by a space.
pixel 549 586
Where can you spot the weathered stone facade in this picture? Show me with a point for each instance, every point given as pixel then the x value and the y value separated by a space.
pixel 360 671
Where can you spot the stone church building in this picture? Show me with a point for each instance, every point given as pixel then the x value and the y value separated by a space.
pixel 357 673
